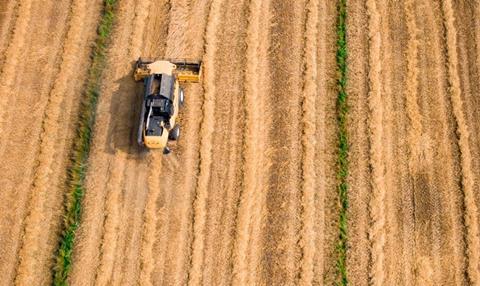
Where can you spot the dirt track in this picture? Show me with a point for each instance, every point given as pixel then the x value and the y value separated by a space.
pixel 248 196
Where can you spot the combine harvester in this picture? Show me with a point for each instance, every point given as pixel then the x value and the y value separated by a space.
pixel 162 99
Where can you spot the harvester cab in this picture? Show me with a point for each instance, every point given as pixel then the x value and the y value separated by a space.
pixel 162 99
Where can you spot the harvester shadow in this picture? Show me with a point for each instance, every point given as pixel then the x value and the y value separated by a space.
pixel 125 112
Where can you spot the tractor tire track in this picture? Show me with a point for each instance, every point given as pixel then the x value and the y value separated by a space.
pixel 471 210
pixel 46 204
pixel 377 203
pixel 253 154
pixel 320 70
pixel 310 88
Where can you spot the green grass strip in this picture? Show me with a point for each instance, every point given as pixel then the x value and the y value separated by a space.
pixel 81 146
pixel 342 163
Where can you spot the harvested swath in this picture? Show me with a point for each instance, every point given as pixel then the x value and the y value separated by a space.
pixel 120 160
pixel 327 201
pixel 111 224
pixel 251 149
pixel 81 148
pixel 150 220
pixel 13 57
pixel 309 144
pixel 7 24
pixel 44 192
pixel 471 210
pixel 426 192
pixel 359 178
pixel 89 242
pixel 176 45
pixel 468 50
pixel 282 224
pixel 164 223
pixel 129 265
pixel 477 30
pixel 399 207
pixel 377 211
pixel 423 272
pixel 23 126
pixel 413 110
pixel 446 173
pixel 179 253
pixel 155 43
pixel 415 124
pixel 255 249
pixel 227 145
pixel 206 131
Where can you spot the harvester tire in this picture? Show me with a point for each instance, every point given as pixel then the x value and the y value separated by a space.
pixel 174 133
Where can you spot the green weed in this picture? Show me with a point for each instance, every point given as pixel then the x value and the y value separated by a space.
pixel 343 147
pixel 81 147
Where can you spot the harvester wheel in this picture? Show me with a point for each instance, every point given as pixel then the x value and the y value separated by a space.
pixel 174 133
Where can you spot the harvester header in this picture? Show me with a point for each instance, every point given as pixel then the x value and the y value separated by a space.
pixel 163 97
pixel 185 70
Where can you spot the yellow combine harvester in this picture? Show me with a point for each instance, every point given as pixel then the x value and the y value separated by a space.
pixel 162 99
